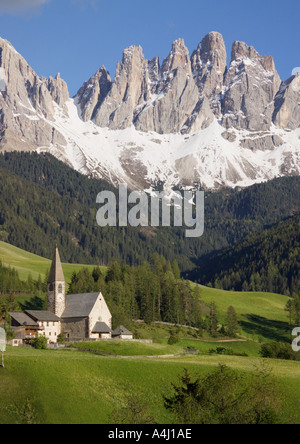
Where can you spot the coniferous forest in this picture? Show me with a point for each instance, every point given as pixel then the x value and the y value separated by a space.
pixel 152 292
pixel 244 247
pixel 268 261
pixel 43 201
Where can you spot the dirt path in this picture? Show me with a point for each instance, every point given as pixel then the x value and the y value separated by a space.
pixel 220 341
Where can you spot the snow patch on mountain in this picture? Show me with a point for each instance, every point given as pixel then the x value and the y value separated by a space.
pixel 141 159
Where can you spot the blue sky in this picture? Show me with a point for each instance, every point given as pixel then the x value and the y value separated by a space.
pixel 76 37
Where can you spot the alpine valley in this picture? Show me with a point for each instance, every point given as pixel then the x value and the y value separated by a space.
pixel 191 121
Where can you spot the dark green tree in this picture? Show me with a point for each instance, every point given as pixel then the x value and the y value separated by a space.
pixel 232 323
pixel 225 396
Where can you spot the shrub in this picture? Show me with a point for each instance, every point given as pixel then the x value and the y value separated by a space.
pixel 278 350
pixel 39 342
pixel 60 338
pixel 174 338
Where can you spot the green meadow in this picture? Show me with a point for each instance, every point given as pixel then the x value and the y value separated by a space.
pixel 78 386
pixel 262 316
pixel 125 349
pixel 59 387
pixel 27 263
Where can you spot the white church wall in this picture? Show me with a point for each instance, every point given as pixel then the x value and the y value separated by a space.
pixel 100 313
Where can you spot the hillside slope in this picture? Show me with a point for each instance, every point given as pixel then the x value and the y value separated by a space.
pixel 43 201
pixel 261 315
pixel 27 263
pixel 61 387
pixel 267 261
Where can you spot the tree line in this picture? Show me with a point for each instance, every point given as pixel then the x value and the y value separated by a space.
pixel 152 292
pixel 42 201
pixel 268 262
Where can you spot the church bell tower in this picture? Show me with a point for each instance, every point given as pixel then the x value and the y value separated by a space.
pixel 56 287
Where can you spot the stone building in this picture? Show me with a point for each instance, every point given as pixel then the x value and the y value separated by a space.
pixel 122 333
pixel 76 317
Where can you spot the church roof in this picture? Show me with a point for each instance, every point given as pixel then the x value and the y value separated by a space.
pixel 23 319
pixel 101 327
pixel 42 316
pixel 121 331
pixel 79 305
pixel 56 271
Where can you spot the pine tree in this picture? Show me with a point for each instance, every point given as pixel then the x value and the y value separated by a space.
pixel 232 323
pixel 213 319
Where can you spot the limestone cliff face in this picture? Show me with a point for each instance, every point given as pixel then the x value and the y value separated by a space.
pixel 151 97
pixel 287 104
pixel 175 96
pixel 129 90
pixel 216 124
pixel 92 94
pixel 185 93
pixel 251 84
pixel 27 103
pixel 209 64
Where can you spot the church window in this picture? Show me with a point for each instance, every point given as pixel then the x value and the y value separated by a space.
pixel 60 288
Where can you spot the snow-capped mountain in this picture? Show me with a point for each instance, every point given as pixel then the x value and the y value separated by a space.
pixel 189 121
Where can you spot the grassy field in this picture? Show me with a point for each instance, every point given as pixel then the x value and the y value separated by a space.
pixel 76 387
pixel 27 263
pixel 120 348
pixel 261 315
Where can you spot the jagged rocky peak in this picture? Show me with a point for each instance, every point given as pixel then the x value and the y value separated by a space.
pixel 129 89
pixel 240 50
pixel 93 92
pixel 132 57
pixel 170 98
pixel 287 109
pixel 33 91
pixel 208 67
pixel 58 89
pixel 250 86
pixel 179 57
pixel 212 49
pixel 183 95
pixel 209 56
pixel 174 98
pixel 26 101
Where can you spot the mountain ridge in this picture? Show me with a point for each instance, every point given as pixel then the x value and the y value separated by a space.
pixel 191 121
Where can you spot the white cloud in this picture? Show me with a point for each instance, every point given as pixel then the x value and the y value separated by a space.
pixel 295 71
pixel 15 6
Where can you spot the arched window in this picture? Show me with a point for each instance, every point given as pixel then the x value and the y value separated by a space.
pixel 60 288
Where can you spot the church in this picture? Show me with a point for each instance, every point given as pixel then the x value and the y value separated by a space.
pixel 75 316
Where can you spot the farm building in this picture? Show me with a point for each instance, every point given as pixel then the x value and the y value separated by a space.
pixel 122 333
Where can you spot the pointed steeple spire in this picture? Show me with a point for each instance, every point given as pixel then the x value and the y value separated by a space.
pixel 56 271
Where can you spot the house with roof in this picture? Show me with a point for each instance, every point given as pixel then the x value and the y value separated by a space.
pixel 122 333
pixel 76 316
pixel 28 324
